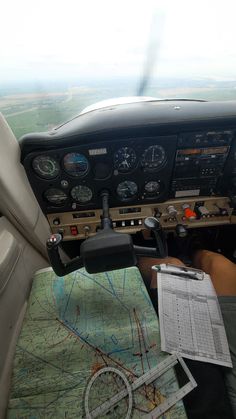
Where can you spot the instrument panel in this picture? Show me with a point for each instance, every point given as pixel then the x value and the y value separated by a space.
pixel 198 212
pixel 146 155
pixel 73 178
pixel 143 170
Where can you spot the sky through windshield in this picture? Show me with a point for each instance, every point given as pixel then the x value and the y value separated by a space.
pixel 100 49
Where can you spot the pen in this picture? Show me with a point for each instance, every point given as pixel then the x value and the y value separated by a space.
pixel 186 274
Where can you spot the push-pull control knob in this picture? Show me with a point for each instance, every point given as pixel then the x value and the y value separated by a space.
pixel 86 231
pixel 54 241
pixel 181 230
pixel 172 211
pixel 189 213
pixel 152 223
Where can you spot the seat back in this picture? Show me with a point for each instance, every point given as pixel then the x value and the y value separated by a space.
pixel 18 262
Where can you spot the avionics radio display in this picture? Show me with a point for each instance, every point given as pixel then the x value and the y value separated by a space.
pixel 200 165
pixel 199 152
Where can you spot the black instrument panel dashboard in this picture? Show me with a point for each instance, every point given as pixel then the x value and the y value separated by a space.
pixel 133 170
pixel 141 153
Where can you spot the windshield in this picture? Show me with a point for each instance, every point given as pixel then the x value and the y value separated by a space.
pixel 56 58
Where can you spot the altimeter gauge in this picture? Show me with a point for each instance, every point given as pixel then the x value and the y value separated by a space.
pixel 125 159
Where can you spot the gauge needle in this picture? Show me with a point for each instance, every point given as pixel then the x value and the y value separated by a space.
pixel 153 154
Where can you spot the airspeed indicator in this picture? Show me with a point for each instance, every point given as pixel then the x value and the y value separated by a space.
pixel 46 167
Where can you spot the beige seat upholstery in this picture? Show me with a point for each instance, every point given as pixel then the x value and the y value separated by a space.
pixel 18 262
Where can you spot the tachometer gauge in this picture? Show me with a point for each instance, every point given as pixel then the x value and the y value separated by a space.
pixel 125 159
pixel 152 187
pixel 46 167
pixel 81 193
pixel 126 190
pixel 76 164
pixel 153 158
pixel 55 196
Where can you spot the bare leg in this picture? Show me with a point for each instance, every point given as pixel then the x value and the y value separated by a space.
pixel 145 264
pixel 221 270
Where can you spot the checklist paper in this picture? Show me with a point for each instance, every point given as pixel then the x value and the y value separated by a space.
pixel 190 319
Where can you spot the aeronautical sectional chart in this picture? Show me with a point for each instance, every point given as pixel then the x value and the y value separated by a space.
pixel 74 328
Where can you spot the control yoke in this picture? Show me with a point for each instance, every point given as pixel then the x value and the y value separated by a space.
pixel 108 249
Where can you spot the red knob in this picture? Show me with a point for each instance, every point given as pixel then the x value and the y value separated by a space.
pixel 190 214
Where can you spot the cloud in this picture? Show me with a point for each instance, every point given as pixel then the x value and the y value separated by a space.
pixel 110 38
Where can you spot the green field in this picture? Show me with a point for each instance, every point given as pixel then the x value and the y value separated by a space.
pixel 42 114
pixel 41 111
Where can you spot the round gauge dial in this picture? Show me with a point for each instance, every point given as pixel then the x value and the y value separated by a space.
pixel 81 193
pixel 55 196
pixel 125 159
pixel 152 187
pixel 46 167
pixel 76 164
pixel 153 158
pixel 126 190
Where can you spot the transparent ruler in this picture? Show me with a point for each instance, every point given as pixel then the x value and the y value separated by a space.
pixel 129 388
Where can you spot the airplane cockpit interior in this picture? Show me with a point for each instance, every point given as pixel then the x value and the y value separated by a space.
pixel 118 216
pixel 148 166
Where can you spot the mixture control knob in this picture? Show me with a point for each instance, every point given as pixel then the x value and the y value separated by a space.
pixel 189 213
pixel 152 223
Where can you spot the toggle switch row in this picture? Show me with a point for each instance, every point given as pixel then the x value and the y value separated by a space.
pixel 127 223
